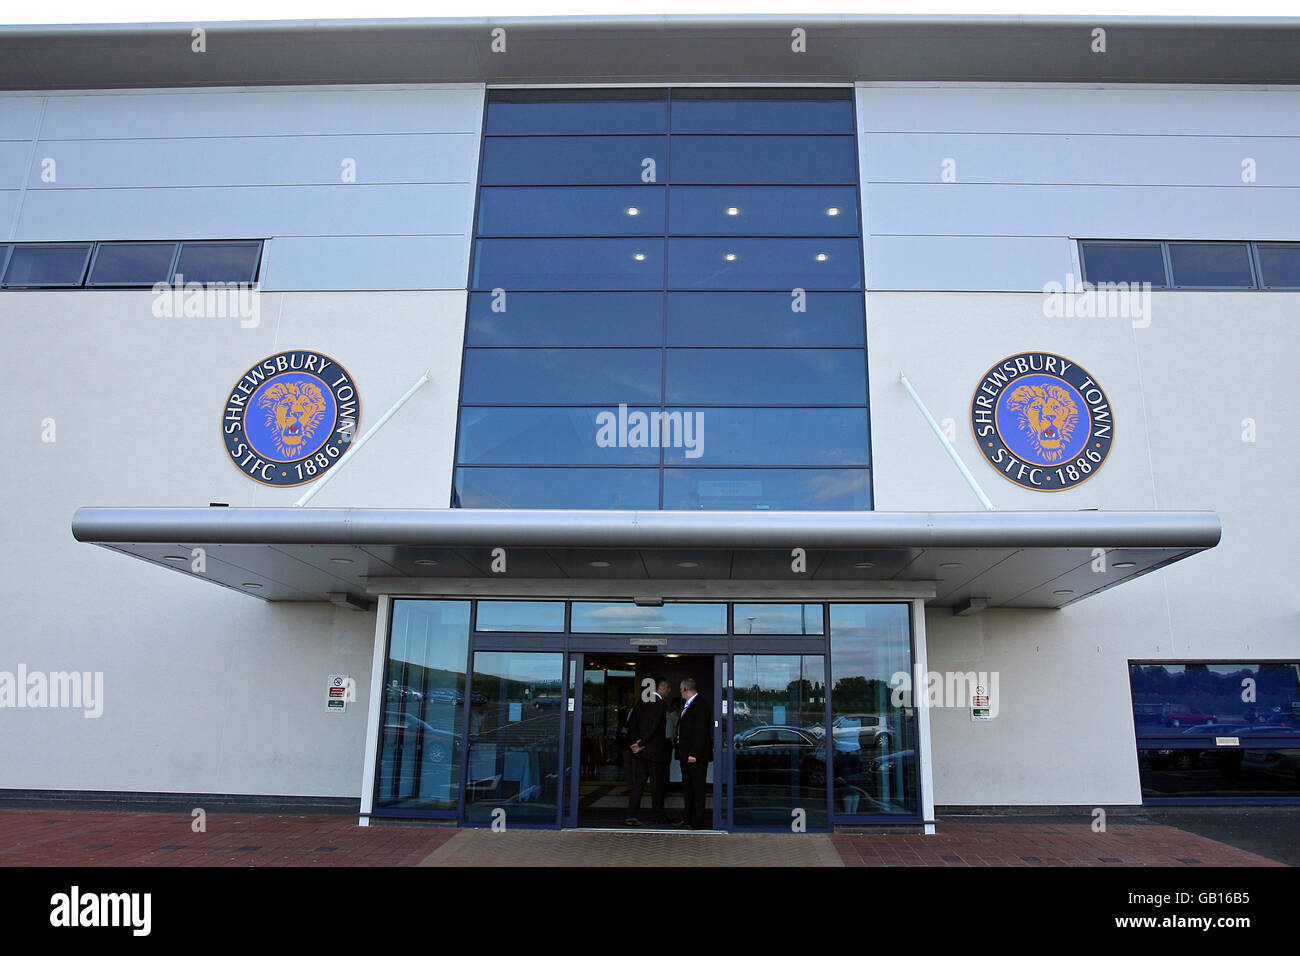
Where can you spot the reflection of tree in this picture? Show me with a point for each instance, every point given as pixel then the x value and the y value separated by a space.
pixel 859 693
pixel 1215 691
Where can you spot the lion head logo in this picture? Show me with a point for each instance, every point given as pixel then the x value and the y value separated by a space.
pixel 293 410
pixel 1048 414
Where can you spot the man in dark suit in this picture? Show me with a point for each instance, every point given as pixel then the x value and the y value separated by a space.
pixel 694 744
pixel 649 754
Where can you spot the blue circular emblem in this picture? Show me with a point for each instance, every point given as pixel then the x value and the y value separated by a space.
pixel 1042 421
pixel 291 417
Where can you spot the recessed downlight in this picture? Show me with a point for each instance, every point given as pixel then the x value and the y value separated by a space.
pixel 633 211
pixel 1125 564
pixel 833 211
pixel 951 564
pixel 730 257
pixel 865 564
pixel 181 559
pixel 598 564
pixel 688 564
pixel 733 211
pixel 639 257
pixel 341 560
pixel 250 584
pixel 822 257
pixel 425 562
pixel 1063 591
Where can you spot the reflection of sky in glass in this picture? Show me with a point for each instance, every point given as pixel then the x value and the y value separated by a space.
pixel 869 640
pixel 669 619
pixel 431 633
pixel 535 669
pixel 520 616
pixel 778 619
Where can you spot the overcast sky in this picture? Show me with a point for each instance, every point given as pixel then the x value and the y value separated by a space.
pixel 185 11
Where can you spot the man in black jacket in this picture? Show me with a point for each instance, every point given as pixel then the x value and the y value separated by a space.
pixel 694 745
pixel 649 753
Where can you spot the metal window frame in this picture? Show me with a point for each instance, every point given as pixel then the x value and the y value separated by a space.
pixel 1169 245
pixel 14 247
pixel 1259 266
pixel 258 244
pixel 90 282
pixel 1083 245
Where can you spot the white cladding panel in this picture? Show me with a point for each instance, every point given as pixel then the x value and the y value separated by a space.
pixel 978 188
pixel 383 178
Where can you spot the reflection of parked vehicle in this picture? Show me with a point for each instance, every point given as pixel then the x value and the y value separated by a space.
pixel 741 709
pixel 1184 715
pixel 1281 762
pixel 865 731
pixel 768 750
pixel 420 743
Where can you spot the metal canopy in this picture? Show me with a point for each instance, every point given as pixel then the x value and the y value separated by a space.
pixel 654 49
pixel 1030 559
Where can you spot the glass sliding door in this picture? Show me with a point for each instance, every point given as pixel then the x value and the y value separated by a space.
pixel 516 724
pixel 778 751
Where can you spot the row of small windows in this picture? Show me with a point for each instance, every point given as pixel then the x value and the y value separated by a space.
pixel 127 265
pixel 1193 265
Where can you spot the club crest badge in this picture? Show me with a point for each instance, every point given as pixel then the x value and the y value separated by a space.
pixel 1042 421
pixel 291 417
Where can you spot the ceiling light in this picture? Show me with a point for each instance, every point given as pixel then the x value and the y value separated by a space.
pixel 951 564
pixel 733 211
pixel 633 211
pixel 597 564
pixel 341 560
pixel 864 564
pixel 730 257
pixel 250 584
pixel 182 558
pixel 672 655
pixel 639 257
pixel 822 257
pixel 425 562
pixel 833 211
pixel 1063 591
pixel 680 564
pixel 1125 564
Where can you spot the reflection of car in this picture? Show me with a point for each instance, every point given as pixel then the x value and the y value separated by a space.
pixel 741 709
pixel 1214 730
pixel 768 750
pixel 546 701
pixel 1276 762
pixel 865 731
pixel 411 734
pixel 1184 715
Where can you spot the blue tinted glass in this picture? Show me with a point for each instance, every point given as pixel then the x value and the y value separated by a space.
pixel 570 160
pixel 561 376
pixel 769 436
pixel 764 264
pixel 765 318
pixel 794 115
pixel 559 113
pixel 555 436
pixel 611 618
pixel 764 211
pixel 598 488
pixel 788 489
pixel 132 263
pixel 47 265
pixel 1124 263
pixel 1280 266
pixel 569 264
pixel 766 377
pixel 764 159
pixel 531 616
pixel 1197 699
pixel 1211 264
pixel 218 261
pixel 571 211
pixel 778 619
pixel 566 318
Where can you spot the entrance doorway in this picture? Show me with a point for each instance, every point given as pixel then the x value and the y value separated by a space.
pixel 611 684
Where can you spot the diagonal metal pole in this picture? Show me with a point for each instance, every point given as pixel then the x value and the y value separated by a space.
pixel 952 452
pixel 356 445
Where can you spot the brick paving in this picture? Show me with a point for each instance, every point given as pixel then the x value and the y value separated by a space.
pixel 103 838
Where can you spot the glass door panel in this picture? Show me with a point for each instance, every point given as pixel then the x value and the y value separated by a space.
pixel 778 748
pixel 515 727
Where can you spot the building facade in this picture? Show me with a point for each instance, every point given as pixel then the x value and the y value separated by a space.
pixel 800 381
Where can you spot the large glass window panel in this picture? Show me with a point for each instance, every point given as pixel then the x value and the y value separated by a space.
pixel 798 619
pixel 770 436
pixel 767 377
pixel 47 265
pixel 218 262
pixel 421 733
pixel 773 489
pixel 873 730
pixel 599 488
pixel 514 738
pixel 554 436
pixel 762 111
pixel 1124 262
pixel 764 264
pixel 572 160
pixel 764 159
pixel 577 111
pixel 764 211
pixel 565 318
pixel 1211 264
pixel 1280 265
pixel 779 758
pixel 132 263
pixel 525 616
pixel 571 211
pixel 561 376
pixel 591 617
pixel 1171 699
pixel 524 264
pixel 766 318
